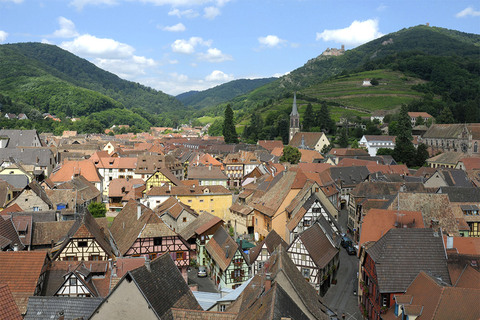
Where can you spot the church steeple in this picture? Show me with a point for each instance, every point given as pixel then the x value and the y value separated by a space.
pixel 294 119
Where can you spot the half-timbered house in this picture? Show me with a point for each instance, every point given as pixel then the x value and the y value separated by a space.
pixel 77 283
pixel 315 252
pixel 85 240
pixel 198 232
pixel 227 263
pixel 259 255
pixel 138 231
pixel 305 213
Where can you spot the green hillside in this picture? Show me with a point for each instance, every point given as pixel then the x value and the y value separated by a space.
pixel 419 52
pixel 221 93
pixel 50 79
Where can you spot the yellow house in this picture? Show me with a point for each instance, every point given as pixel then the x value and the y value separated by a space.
pixel 213 199
pixel 17 169
pixel 6 194
pixel 161 177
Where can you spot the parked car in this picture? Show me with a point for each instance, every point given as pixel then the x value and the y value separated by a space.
pixel 202 272
pixel 351 250
pixel 346 242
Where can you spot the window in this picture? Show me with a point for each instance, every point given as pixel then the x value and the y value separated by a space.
pixel 184 219
pixel 306 272
pixel 82 244
pixel 36 209
pixel 94 257
pixel 73 281
pixel 157 241
pixel 181 255
pixel 190 200
pixel 201 200
pixel 221 308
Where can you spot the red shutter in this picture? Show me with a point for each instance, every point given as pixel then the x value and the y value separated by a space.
pixel 184 255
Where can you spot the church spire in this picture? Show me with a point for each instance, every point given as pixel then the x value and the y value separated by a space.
pixel 294 106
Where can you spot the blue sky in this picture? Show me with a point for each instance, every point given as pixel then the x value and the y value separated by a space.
pixel 181 45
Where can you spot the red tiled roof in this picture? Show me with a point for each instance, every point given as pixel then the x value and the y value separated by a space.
pixel 465 245
pixel 69 169
pixel 270 144
pixel 424 115
pixel 20 270
pixel 378 221
pixel 8 308
pixel 13 208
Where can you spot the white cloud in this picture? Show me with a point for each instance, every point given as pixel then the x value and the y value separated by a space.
pixel 219 76
pixel 67 29
pixel 14 1
pixel 271 41
pixel 468 12
pixel 382 7
pixel 357 33
pixel 179 27
pixel 90 46
pixel 188 46
pixel 189 13
pixel 3 36
pixel 79 4
pixel 46 41
pixel 214 55
pixel 211 12
pixel 128 68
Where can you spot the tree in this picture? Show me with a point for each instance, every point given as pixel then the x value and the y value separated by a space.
pixel 97 209
pixel 384 152
pixel 343 140
pixel 421 155
pixel 404 150
pixel 445 116
pixel 419 121
pixel 290 154
pixel 323 119
pixel 308 118
pixel 229 132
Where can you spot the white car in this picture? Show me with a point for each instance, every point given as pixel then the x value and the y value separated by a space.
pixel 202 272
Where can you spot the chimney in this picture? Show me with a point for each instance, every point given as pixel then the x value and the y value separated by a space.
pixel 139 211
pixel 226 251
pixel 449 242
pixel 210 167
pixel 15 247
pixel 268 282
pixel 147 263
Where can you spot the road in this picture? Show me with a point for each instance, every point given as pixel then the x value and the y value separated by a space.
pixel 340 297
pixel 205 284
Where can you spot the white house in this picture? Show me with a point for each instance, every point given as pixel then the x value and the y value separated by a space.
pixel 373 143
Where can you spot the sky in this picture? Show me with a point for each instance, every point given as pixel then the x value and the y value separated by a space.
pixel 180 45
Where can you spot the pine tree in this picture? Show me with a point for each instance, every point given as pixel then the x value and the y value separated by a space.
pixel 323 119
pixel 343 140
pixel 404 150
pixel 308 118
pixel 229 132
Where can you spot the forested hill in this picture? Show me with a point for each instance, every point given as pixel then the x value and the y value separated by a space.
pixel 53 80
pixel 221 93
pixel 423 42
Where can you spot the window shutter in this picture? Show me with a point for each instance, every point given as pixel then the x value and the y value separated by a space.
pixel 184 255
pixel 232 275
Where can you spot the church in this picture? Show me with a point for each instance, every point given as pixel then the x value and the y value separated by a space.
pixel 304 140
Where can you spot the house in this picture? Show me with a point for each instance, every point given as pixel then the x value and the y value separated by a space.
pixel 315 252
pixel 147 165
pixel 148 292
pixel 33 198
pixel 6 194
pixel 270 144
pixel 138 231
pixel 24 273
pixel 161 177
pixel 448 178
pixel 415 115
pixel 445 160
pixel 309 140
pixel 61 307
pixel 259 255
pixel 9 237
pixel 84 241
pixel 213 199
pixel 465 204
pixel 283 289
pixel 71 169
pixel 373 143
pixel 198 232
pixel 175 214
pixel 20 138
pixel 346 179
pixel 467 164
pixel 237 165
pixel 429 298
pixel 115 168
pixel 227 264
pixel 120 191
pixel 23 225
pixel 382 191
pixel 207 176
pixel 41 160
pixel 457 137
pixel 391 264
pixel 85 191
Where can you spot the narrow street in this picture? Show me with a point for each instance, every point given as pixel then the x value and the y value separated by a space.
pixel 340 297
